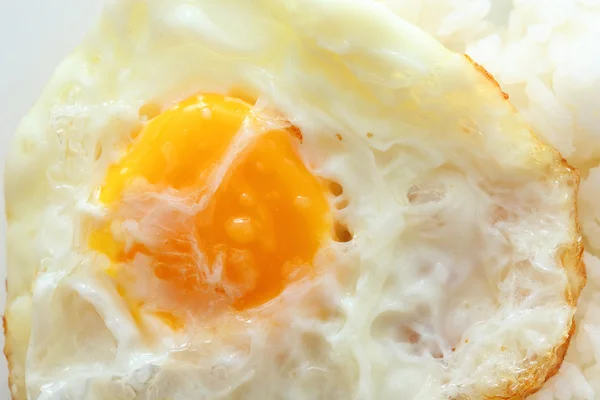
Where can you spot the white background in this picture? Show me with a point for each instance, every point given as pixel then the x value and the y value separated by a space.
pixel 34 36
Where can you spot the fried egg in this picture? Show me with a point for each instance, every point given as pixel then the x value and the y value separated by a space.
pixel 282 199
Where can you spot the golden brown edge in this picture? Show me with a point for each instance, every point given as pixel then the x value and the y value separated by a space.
pixel 8 352
pixel 532 380
pixel 571 258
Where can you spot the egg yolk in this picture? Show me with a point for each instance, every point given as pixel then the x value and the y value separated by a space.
pixel 234 215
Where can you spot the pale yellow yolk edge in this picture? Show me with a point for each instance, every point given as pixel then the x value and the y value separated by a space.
pixel 263 224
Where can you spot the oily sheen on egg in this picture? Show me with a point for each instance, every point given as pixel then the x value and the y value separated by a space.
pixel 229 239
pixel 282 199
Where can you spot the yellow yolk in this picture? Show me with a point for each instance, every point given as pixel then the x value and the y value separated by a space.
pixel 180 146
pixel 254 215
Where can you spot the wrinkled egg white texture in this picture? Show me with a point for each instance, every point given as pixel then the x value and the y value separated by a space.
pixel 45 38
pixel 389 313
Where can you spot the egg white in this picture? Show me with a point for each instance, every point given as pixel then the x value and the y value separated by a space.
pixel 452 281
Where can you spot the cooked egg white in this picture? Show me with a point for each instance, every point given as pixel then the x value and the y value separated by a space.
pixel 282 199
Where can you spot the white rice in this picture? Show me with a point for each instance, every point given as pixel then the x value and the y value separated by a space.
pixel 546 55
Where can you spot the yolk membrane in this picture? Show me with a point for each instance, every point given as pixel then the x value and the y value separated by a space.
pixel 259 216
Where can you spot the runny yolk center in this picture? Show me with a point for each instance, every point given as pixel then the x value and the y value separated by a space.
pixel 220 212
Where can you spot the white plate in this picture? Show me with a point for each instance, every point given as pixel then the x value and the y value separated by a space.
pixel 35 35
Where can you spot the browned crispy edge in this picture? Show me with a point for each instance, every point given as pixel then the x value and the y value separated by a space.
pixel 488 76
pixel 532 379
pixel 8 354
pixel 560 352
pixel 571 258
